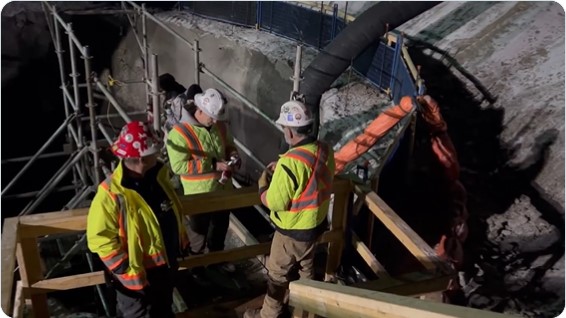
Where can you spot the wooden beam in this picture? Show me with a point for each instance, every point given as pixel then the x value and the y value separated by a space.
pixel 72 224
pixel 19 302
pixel 410 239
pixel 29 261
pixel 8 246
pixel 38 219
pixel 67 282
pixel 368 256
pixel 234 198
pixel 220 200
pixel 245 252
pixel 410 284
pixel 336 247
pixel 330 300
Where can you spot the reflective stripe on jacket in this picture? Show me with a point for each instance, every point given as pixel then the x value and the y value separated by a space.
pixel 124 231
pixel 193 151
pixel 299 192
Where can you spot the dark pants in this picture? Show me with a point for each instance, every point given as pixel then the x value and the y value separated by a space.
pixel 210 230
pixel 154 301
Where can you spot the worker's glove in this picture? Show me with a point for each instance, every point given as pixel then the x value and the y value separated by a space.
pixel 263 181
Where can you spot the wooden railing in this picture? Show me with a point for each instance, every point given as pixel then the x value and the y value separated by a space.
pixel 20 238
pixel 331 300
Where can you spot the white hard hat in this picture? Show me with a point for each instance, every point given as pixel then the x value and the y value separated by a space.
pixel 294 114
pixel 212 103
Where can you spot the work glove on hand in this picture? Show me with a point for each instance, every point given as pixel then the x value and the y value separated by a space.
pixel 263 181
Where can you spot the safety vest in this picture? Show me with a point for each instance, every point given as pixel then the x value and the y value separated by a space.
pixel 312 166
pixel 191 149
pixel 121 227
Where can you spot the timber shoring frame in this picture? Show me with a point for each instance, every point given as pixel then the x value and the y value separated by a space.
pixel 19 242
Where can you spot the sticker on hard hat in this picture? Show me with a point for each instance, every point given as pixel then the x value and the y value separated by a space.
pixel 298 116
pixel 286 109
pixel 289 117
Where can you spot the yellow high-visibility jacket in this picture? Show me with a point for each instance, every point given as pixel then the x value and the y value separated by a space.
pixel 299 192
pixel 193 151
pixel 121 227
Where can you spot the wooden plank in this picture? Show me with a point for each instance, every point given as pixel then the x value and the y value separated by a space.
pixel 330 300
pixel 234 198
pixel 410 284
pixel 72 224
pixel 19 302
pixel 37 219
pixel 410 239
pixel 67 282
pixel 336 247
pixel 240 253
pixel 219 200
pixel 368 256
pixel 8 247
pixel 241 231
pixel 29 261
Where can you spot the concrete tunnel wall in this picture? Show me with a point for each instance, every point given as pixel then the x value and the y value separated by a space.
pixel 264 81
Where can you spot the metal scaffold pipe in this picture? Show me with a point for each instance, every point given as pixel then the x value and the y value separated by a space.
pixel 74 74
pixel 59 53
pixel 32 193
pixel 38 153
pixel 20 159
pixel 105 132
pixel 297 73
pixel 240 97
pixel 145 54
pixel 112 100
pixel 59 20
pixel 155 93
pixel 59 175
pixel 196 48
pixel 91 113
pixel 160 23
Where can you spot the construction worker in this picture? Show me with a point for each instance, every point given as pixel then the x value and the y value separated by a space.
pixel 298 196
pixel 134 225
pixel 202 152
pixel 175 110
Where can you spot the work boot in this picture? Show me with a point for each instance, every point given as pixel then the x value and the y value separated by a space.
pixel 252 313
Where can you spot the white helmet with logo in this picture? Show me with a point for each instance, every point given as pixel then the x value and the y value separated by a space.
pixel 212 103
pixel 294 114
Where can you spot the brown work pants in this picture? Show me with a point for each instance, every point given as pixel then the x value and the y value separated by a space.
pixel 285 253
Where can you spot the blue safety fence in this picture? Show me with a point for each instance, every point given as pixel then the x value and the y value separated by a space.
pixel 381 64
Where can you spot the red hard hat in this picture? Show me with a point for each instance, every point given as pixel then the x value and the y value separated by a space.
pixel 135 141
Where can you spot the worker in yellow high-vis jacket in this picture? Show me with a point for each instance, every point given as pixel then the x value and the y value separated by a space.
pixel 134 224
pixel 298 196
pixel 202 152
